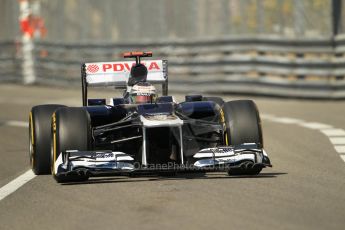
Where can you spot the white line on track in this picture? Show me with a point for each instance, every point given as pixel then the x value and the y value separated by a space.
pixel 337 140
pixel 22 179
pixel 287 120
pixel 333 132
pixel 336 136
pixel 16 184
pixel 316 125
pixel 340 148
pixel 22 124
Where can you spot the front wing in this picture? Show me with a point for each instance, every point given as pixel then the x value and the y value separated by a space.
pixel 92 163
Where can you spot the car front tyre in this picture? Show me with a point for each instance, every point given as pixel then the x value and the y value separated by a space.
pixel 242 125
pixel 71 130
pixel 39 137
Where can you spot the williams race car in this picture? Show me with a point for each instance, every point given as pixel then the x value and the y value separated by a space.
pixel 142 132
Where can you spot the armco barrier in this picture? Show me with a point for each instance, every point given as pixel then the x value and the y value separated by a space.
pixel 313 68
pixel 10 62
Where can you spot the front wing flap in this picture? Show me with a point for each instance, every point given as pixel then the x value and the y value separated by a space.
pixel 73 160
pixel 232 156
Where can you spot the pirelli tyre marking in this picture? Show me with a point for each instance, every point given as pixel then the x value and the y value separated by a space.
pixel 54 143
pixel 222 119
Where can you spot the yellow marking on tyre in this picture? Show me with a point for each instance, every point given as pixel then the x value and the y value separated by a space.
pixel 222 119
pixel 54 143
pixel 54 122
pixel 226 139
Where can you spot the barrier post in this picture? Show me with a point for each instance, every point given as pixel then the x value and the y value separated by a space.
pixel 25 17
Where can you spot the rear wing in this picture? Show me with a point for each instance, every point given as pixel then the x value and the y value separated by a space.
pixel 117 74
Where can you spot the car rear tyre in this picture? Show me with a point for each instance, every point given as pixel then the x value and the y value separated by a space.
pixel 39 137
pixel 71 128
pixel 217 100
pixel 243 125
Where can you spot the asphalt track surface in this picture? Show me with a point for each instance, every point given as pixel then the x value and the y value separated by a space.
pixel 304 190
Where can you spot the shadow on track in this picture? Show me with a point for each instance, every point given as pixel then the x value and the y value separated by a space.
pixel 150 178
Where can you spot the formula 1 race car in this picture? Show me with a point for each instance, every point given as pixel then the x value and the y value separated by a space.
pixel 142 132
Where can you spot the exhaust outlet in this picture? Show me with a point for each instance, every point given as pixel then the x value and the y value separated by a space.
pixel 247 165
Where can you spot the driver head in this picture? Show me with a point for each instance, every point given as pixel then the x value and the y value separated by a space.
pixel 138 74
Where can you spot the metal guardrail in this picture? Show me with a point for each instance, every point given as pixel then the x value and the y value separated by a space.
pixel 312 68
pixel 10 62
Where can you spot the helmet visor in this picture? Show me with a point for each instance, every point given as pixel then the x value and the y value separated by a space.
pixel 140 99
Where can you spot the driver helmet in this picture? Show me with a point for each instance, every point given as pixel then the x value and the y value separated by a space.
pixel 142 92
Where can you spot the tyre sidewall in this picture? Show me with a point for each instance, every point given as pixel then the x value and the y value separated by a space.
pixel 39 137
pixel 242 121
